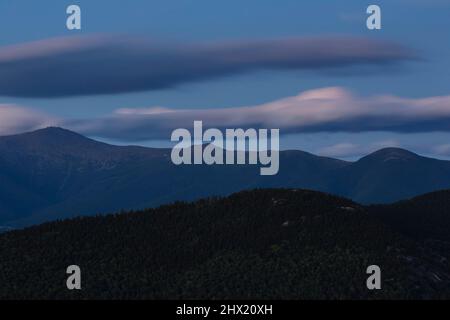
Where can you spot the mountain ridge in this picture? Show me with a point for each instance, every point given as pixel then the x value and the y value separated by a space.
pixel 54 173
pixel 52 132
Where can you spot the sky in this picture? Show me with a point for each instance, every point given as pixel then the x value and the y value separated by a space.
pixel 137 70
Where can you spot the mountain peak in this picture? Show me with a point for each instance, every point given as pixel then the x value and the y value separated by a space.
pixel 391 154
pixel 396 151
pixel 56 135
pixel 55 131
pixel 50 139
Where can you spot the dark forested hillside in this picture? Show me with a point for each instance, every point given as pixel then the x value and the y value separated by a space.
pixel 425 217
pixel 280 244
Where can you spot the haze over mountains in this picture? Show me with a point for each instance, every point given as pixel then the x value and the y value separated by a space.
pixel 54 173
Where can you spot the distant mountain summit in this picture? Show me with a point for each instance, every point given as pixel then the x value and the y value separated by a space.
pixel 48 138
pixel 61 142
pixel 393 174
pixel 391 154
pixel 54 173
pixel 53 134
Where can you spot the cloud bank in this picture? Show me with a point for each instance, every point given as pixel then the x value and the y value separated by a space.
pixel 89 65
pixel 331 109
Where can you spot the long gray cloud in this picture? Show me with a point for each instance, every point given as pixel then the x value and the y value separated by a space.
pixel 100 64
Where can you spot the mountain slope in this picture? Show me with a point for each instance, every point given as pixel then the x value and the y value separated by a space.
pixel 49 166
pixel 393 174
pixel 68 175
pixel 262 244
pixel 425 218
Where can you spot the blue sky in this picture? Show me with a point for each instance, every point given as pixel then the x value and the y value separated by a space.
pixel 419 25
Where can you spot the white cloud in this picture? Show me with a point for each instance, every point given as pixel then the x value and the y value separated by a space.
pixel 17 119
pixel 443 149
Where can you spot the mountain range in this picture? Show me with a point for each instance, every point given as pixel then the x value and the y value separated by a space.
pixel 53 173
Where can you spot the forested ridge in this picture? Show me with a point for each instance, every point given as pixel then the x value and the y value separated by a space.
pixel 261 244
